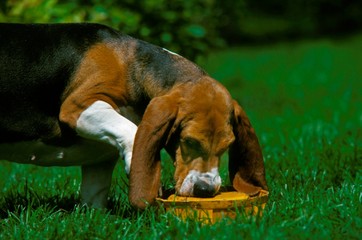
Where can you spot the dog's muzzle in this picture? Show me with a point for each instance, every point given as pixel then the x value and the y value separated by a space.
pixel 199 184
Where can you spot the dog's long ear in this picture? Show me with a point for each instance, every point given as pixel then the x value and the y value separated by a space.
pixel 151 136
pixel 246 166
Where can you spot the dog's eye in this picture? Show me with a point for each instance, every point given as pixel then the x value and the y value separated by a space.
pixel 192 143
pixel 192 146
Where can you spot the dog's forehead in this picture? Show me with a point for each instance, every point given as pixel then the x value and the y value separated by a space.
pixel 209 97
pixel 207 112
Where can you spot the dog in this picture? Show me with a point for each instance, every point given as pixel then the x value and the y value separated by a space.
pixel 85 95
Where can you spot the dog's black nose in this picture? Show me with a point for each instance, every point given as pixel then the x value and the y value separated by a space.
pixel 203 190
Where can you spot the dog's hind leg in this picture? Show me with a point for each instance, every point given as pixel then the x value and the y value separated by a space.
pixel 96 182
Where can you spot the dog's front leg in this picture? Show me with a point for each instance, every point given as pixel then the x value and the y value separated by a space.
pixel 96 182
pixel 101 122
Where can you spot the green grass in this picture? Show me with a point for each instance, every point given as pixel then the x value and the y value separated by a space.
pixel 304 100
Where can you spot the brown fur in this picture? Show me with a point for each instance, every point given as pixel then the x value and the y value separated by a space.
pixel 150 138
pixel 246 166
pixel 101 76
pixel 202 112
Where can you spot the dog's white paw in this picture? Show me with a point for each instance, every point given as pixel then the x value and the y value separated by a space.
pixel 127 159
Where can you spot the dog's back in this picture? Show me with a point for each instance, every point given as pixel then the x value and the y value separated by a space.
pixel 36 63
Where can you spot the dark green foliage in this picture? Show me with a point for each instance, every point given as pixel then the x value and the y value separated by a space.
pixel 194 28
pixel 187 27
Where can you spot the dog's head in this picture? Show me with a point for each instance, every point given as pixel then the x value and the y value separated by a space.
pixel 196 123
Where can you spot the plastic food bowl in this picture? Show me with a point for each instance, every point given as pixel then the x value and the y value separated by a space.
pixel 210 210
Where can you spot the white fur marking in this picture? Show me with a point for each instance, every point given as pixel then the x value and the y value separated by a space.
pixel 212 178
pixel 170 52
pixel 101 122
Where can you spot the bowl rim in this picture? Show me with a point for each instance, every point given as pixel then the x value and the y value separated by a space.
pixel 215 202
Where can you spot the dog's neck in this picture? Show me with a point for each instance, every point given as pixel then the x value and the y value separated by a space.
pixel 153 71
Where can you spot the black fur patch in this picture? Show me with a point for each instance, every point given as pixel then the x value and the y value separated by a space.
pixel 37 61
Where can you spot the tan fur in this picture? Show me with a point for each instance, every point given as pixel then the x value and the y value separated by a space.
pixel 101 76
pixel 204 112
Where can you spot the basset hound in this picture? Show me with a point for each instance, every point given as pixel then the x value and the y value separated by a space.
pixel 74 94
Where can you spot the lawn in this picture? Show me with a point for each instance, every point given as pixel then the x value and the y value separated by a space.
pixel 305 102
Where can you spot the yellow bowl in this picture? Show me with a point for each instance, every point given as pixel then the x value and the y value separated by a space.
pixel 210 210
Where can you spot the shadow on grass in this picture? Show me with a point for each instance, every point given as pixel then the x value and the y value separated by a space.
pixel 15 201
